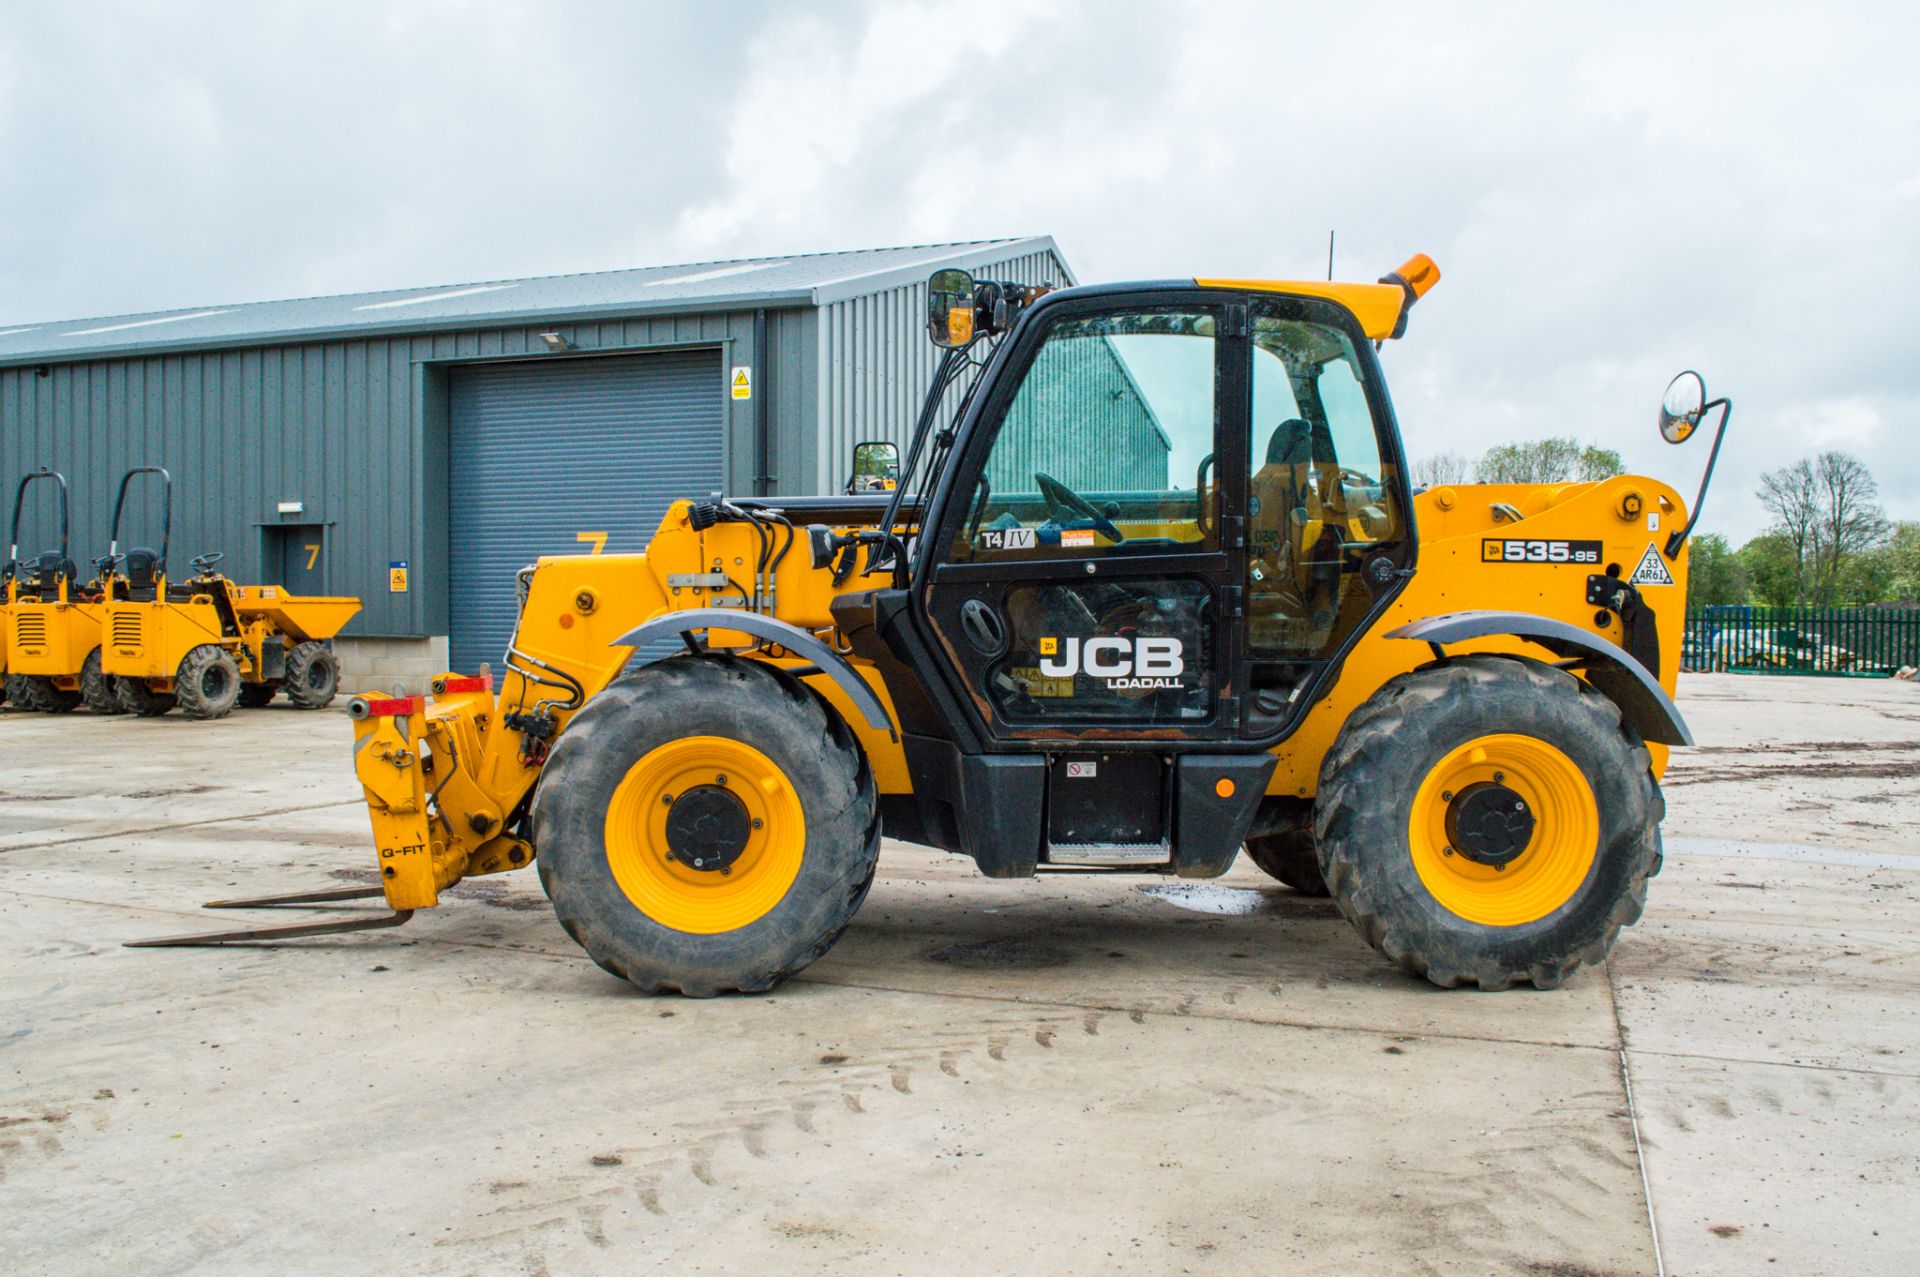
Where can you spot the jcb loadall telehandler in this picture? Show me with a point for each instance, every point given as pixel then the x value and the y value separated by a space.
pixel 1155 587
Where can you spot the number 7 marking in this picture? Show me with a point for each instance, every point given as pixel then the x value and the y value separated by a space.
pixel 598 540
pixel 313 556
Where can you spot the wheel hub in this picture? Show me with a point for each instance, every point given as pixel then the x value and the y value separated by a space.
pixel 707 828
pixel 1489 824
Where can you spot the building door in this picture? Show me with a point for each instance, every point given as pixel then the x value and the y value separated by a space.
pixel 297 557
pixel 575 456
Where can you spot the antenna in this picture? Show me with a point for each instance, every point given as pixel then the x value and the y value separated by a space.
pixel 1329 256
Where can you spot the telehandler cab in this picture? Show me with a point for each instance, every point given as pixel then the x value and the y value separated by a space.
pixel 207 644
pixel 1156 586
pixel 52 640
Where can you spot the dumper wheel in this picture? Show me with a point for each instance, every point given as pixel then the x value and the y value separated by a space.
pixel 96 688
pixel 20 693
pixel 706 826
pixel 137 698
pixel 207 684
pixel 313 675
pixel 1488 820
pixel 1281 843
pixel 254 695
pixel 50 698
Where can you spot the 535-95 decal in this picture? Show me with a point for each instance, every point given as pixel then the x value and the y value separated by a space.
pixel 1519 550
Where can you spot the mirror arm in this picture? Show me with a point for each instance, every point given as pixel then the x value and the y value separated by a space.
pixel 1679 538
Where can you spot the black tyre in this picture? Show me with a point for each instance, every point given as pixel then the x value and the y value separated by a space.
pixel 255 695
pixel 136 697
pixel 1487 821
pixel 705 826
pixel 207 684
pixel 49 698
pixel 313 675
pixel 1281 843
pixel 22 693
pixel 96 688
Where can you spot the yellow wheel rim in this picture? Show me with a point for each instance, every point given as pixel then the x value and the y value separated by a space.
pixel 666 888
pixel 1557 856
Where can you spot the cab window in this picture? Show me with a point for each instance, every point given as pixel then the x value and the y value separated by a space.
pixel 1320 503
pixel 1107 445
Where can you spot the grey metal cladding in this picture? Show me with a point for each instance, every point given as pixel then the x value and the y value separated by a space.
pixel 543 454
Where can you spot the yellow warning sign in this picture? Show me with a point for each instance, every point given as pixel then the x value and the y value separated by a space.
pixel 743 382
pixel 397 576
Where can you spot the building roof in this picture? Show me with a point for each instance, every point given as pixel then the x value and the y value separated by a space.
pixel 803 279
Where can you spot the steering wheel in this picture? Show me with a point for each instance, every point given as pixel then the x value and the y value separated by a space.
pixel 1357 478
pixel 108 562
pixel 1062 499
pixel 204 563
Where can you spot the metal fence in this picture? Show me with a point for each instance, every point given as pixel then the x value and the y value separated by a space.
pixel 1860 641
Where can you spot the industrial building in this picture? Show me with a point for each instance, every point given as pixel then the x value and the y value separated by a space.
pixel 416 447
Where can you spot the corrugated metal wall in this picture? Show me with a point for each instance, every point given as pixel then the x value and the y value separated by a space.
pixel 356 430
pixel 875 363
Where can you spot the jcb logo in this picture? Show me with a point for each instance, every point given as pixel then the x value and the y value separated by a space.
pixel 1124 664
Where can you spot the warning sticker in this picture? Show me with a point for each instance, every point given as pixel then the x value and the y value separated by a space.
pixel 397 576
pixel 1077 537
pixel 1652 569
pixel 742 382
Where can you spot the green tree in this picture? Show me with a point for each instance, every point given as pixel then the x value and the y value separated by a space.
pixel 1772 569
pixel 1547 461
pixel 1903 555
pixel 1715 575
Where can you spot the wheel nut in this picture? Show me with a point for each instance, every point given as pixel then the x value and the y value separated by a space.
pixel 666 800
pixel 1446 851
pixel 720 780
pixel 1446 796
pixel 757 822
pixel 1499 778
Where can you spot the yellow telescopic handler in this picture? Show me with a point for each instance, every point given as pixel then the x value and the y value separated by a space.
pixel 1153 586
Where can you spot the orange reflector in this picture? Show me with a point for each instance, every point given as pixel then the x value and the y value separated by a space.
pixel 395 706
pixel 566 620
pixel 960 325
pixel 1223 787
pixel 1419 274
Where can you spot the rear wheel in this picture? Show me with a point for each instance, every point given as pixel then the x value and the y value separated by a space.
pixel 50 698
pixel 1488 821
pixel 1281 843
pixel 207 684
pixel 705 826
pixel 254 695
pixel 96 688
pixel 21 692
pixel 136 697
pixel 313 675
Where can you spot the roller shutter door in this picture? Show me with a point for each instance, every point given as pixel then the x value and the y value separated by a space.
pixel 541 454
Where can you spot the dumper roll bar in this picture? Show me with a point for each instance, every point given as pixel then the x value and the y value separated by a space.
pixel 166 512
pixel 19 499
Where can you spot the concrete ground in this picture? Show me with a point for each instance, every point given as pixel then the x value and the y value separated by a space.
pixel 1059 1076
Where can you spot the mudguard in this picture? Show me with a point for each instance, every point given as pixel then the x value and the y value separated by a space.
pixel 792 637
pixel 1625 681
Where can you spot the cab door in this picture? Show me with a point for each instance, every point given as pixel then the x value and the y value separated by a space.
pixel 1085 573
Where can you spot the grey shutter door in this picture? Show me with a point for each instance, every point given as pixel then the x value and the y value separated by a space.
pixel 542 453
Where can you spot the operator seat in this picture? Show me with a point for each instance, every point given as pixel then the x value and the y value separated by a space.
pixel 1296 531
pixel 142 569
pixel 42 575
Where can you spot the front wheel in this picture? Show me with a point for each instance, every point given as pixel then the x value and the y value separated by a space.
pixel 1281 844
pixel 313 675
pixel 137 698
pixel 207 684
pixel 96 687
pixel 705 826
pixel 1488 821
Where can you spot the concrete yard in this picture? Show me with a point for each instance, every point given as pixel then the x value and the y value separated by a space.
pixel 1070 1075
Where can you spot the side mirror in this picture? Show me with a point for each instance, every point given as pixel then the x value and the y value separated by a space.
pixel 876 467
pixel 950 309
pixel 1682 406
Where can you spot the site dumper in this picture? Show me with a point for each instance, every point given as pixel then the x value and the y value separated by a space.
pixel 52 658
pixel 207 644
pixel 1153 585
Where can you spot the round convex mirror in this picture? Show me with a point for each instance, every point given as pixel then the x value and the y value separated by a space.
pixel 1681 407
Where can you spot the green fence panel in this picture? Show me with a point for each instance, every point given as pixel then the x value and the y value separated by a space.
pixel 1861 642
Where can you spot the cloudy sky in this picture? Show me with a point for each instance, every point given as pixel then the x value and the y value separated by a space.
pixel 1612 195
